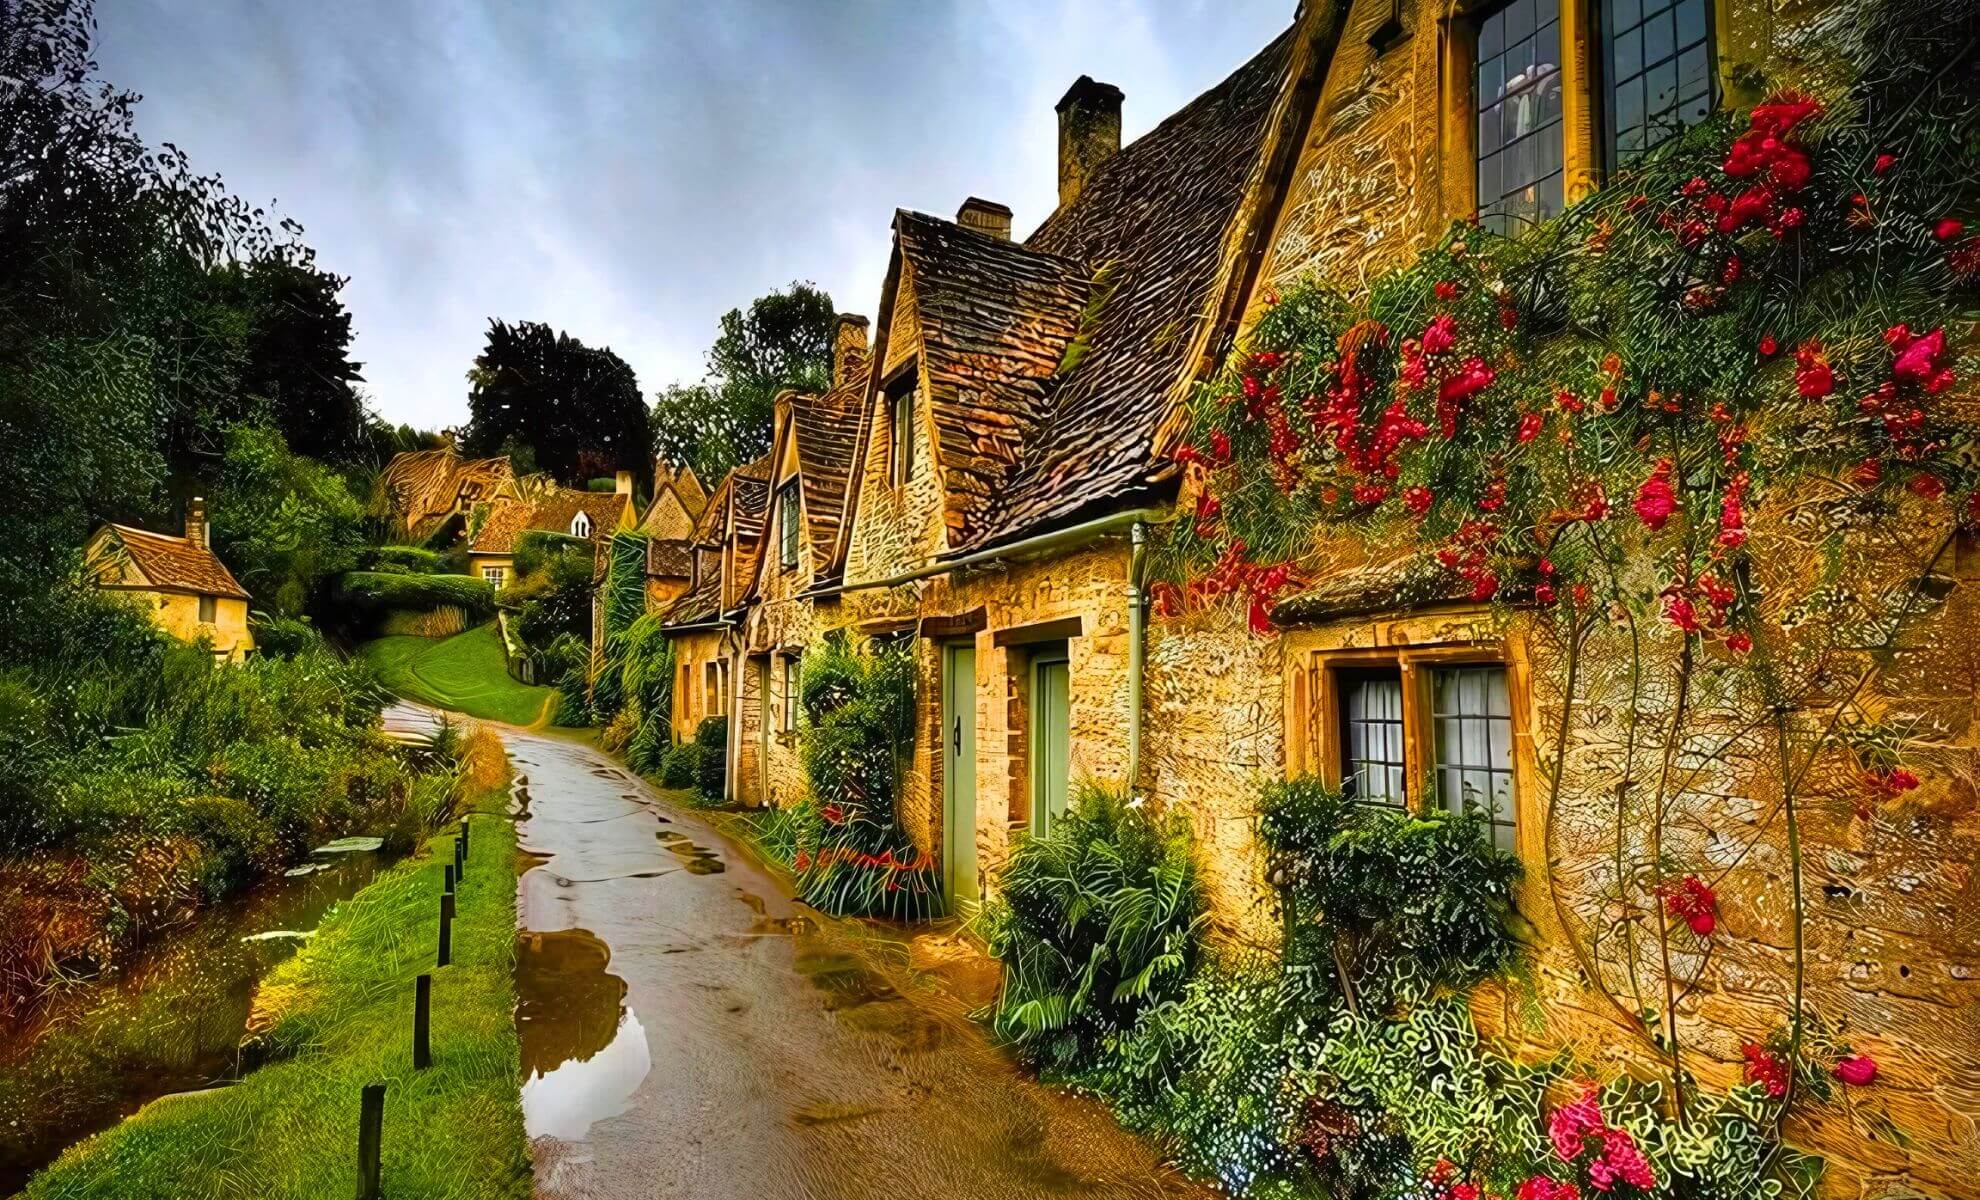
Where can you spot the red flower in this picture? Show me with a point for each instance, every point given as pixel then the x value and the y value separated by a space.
pixel 1918 358
pixel 1439 335
pixel 1220 446
pixel 1812 376
pixel 1768 346
pixel 1732 513
pixel 1868 473
pixel 833 814
pixel 1572 1122
pixel 1446 290
pixel 1542 1188
pixel 1484 586
pixel 1655 498
pixel 1739 641
pixel 1888 783
pixel 803 860
pixel 1530 425
pixel 1765 1068
pixel 1678 610
pixel 1930 487
pixel 1208 509
pixel 1858 1070
pixel 1569 402
pixel 1948 229
pixel 1508 317
pixel 1418 499
pixel 1883 164
pixel 1544 593
pixel 1620 1160
pixel 1693 902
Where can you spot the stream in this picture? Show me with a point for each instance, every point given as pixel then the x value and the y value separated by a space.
pixel 168 1021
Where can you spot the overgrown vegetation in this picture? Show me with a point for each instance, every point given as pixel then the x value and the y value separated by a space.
pixel 1092 923
pixel 853 857
pixel 140 780
pixel 465 673
pixel 1346 1065
pixel 640 666
pixel 334 1018
pixel 711 759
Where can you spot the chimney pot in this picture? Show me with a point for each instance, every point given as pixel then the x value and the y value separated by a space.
pixel 622 483
pixel 1089 133
pixel 196 527
pixel 849 348
pixel 985 216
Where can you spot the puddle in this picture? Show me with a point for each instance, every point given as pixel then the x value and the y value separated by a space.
pixel 171 1021
pixel 584 1053
pixel 696 860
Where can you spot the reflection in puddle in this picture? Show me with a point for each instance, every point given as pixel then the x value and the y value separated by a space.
pixel 583 1052
pixel 846 982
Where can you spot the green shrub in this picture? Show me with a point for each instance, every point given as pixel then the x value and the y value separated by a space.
pixel 1093 922
pixel 550 593
pixel 1386 904
pixel 711 768
pixel 854 858
pixel 680 767
pixel 371 596
pixel 283 637
pixel 400 560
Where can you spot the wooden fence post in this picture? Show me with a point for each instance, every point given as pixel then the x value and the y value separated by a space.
pixel 422 1022
pixel 371 1130
pixel 447 883
pixel 446 929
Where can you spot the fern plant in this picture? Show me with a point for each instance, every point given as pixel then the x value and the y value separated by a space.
pixel 1094 922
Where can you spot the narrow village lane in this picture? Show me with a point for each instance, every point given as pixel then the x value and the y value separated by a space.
pixel 688 1030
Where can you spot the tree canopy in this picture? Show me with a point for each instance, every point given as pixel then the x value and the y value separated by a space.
pixel 783 340
pixel 576 408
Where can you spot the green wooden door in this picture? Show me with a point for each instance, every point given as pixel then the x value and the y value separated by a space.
pixel 1051 720
pixel 959 880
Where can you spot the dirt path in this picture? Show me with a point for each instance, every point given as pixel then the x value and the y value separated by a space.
pixel 690 1031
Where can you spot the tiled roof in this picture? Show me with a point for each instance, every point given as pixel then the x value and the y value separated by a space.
pixel 825 430
pixel 996 319
pixel 1152 224
pixel 669 558
pixel 422 488
pixel 702 602
pixel 1395 586
pixel 749 489
pixel 176 564
pixel 508 520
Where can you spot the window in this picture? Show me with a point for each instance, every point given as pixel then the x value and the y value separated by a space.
pixel 1421 728
pixel 711 690
pixel 787 525
pixel 791 675
pixel 1473 717
pixel 209 610
pixel 581 525
pixel 900 422
pixel 496 575
pixel 1372 741
pixel 1659 59
pixel 1520 136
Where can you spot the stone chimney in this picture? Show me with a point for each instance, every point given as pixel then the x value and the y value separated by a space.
pixel 622 483
pixel 1089 133
pixel 987 216
pixel 849 348
pixel 196 527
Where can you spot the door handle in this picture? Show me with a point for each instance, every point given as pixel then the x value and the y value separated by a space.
pixel 958 736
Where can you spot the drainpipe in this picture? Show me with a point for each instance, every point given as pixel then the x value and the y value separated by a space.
pixel 1137 636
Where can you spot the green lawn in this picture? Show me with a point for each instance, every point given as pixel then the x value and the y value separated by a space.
pixel 464 673
pixel 340 1015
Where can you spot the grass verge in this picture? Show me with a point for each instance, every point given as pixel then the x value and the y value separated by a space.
pixel 335 1017
pixel 465 673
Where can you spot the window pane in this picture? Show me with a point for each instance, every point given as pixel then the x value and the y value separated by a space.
pixel 1623 15
pixel 1628 54
pixel 1658 38
pixel 1690 22
pixel 1692 71
pixel 1519 20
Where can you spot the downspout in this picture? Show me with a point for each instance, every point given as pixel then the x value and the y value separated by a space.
pixel 1137 635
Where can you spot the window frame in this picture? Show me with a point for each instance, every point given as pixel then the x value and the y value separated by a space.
pixel 581 525
pixel 1317 740
pixel 898 395
pixel 209 610
pixel 789 672
pixel 1563 78
pixel 788 517
pixel 1602 76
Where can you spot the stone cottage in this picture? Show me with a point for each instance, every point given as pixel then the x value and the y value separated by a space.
pixel 176 581
pixel 570 512
pixel 702 620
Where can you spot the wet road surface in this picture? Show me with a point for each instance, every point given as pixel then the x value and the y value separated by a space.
pixel 688 1030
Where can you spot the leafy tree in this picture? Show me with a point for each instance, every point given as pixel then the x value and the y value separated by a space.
pixel 577 407
pixel 783 340
pixel 298 356
pixel 283 522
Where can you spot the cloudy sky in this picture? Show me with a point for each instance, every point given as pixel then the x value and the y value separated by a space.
pixel 627 170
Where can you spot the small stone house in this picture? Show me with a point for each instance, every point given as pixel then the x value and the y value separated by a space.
pixel 589 516
pixel 701 621
pixel 668 523
pixel 177 581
